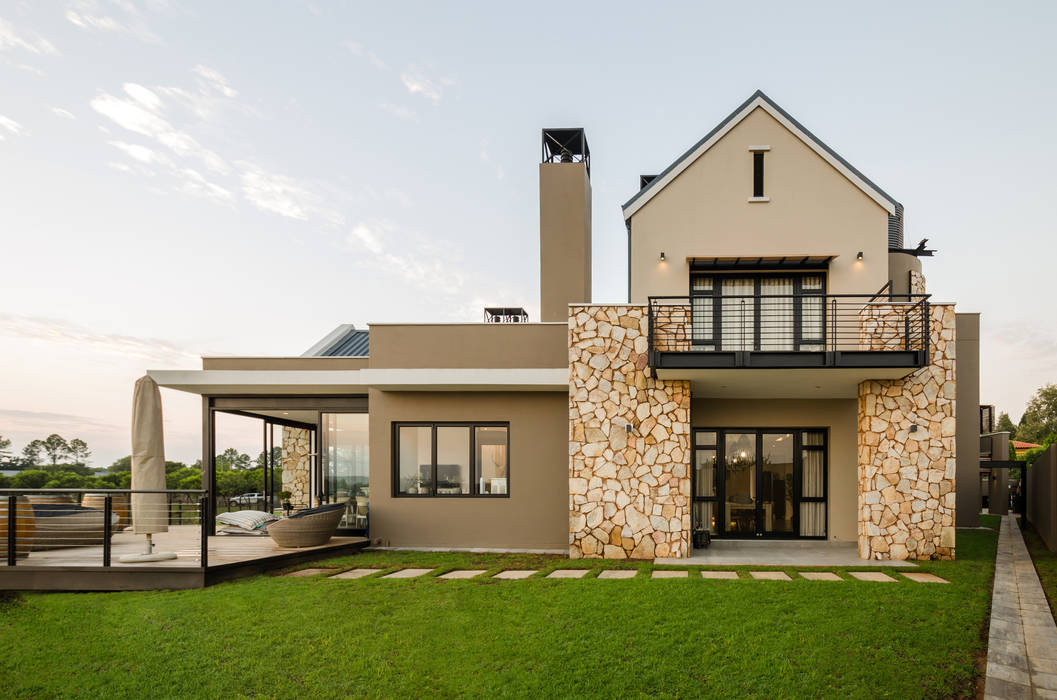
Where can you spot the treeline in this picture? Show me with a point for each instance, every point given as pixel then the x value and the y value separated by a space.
pixel 57 449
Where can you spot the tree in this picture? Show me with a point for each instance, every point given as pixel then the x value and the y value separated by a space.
pixel 232 459
pixel 1040 417
pixel 277 457
pixel 31 452
pixel 79 451
pixel 5 452
pixel 121 465
pixel 1005 425
pixel 56 446
pixel 30 479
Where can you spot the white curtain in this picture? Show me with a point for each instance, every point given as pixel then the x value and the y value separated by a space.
pixel 738 314
pixel 811 314
pixel 812 519
pixel 813 513
pixel 701 321
pixel 703 515
pixel 776 314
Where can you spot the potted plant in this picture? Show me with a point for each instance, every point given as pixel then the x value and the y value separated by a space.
pixel 284 498
pixel 702 538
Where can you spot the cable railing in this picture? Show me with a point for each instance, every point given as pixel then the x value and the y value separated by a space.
pixel 97 527
pixel 789 323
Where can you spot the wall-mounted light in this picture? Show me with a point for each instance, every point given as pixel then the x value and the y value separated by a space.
pixel 859 256
pixel 660 258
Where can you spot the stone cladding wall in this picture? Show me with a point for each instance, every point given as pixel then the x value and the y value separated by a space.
pixel 906 446
pixel 297 465
pixel 629 488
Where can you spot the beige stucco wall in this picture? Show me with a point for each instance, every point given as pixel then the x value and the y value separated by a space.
pixel 565 238
pixel 535 516
pixel 839 416
pixel 469 345
pixel 283 363
pixel 814 210
pixel 967 412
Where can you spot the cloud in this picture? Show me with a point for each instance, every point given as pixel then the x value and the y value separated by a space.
pixel 141 153
pixel 60 112
pixel 215 81
pixel 418 84
pixel 11 39
pixel 283 195
pixel 89 16
pixel 41 423
pixel 195 184
pixel 9 124
pixel 398 111
pixel 428 266
pixel 356 49
pixel 61 331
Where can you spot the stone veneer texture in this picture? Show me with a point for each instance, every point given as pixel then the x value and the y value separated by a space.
pixel 906 475
pixel 917 282
pixel 629 491
pixel 297 465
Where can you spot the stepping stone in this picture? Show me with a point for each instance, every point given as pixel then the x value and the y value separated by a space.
pixel 875 576
pixel 356 573
pixel 568 573
pixel 619 573
pixel 512 574
pixel 407 573
pixel 670 574
pixel 307 572
pixel 463 573
pixel 820 576
pixel 922 577
pixel 719 574
pixel 770 575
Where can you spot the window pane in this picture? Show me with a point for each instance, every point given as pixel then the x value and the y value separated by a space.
pixel 346 464
pixel 811 318
pixel 706 438
pixel 702 284
pixel 813 519
pixel 776 489
pixel 705 516
pixel 705 472
pixel 812 486
pixel 814 282
pixel 453 460
pixel 812 438
pixel 415 447
pixel 492 465
pixel 738 314
pixel 740 515
pixel 701 318
pixel 776 314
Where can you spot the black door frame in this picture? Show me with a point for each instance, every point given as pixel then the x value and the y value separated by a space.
pixel 719 500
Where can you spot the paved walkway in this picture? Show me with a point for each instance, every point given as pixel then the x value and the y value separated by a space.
pixel 1022 643
pixel 780 553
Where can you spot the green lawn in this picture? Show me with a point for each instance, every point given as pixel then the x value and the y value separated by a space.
pixel 1045 564
pixel 304 637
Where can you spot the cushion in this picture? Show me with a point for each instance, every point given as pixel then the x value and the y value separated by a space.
pixel 326 508
pixel 246 519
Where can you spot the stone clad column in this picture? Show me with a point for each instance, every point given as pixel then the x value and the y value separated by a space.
pixel 297 465
pixel 629 487
pixel 907 451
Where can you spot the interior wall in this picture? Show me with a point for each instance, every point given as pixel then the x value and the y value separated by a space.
pixel 839 416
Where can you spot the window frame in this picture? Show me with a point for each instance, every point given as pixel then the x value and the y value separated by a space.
pixel 433 425
pixel 758 188
pixel 715 342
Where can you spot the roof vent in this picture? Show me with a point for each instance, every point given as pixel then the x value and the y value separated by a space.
pixel 505 314
pixel 566 146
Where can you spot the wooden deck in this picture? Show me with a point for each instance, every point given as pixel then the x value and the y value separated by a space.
pixel 228 556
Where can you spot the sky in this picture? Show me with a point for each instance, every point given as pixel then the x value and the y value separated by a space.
pixel 180 179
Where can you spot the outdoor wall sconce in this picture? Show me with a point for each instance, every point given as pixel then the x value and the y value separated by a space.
pixel 627 428
pixel 859 256
pixel 661 258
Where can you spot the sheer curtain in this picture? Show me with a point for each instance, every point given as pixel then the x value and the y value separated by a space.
pixel 776 314
pixel 812 513
pixel 738 314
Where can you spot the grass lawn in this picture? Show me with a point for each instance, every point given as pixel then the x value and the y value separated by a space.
pixel 304 637
pixel 1045 564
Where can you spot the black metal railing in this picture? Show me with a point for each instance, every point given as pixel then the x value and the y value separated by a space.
pixel 789 323
pixel 87 527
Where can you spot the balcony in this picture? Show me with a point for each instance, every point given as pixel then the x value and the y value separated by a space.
pixel 851 337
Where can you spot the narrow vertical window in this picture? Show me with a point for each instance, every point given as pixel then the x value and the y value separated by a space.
pixel 757 174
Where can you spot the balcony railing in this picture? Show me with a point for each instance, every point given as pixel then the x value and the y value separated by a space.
pixel 805 330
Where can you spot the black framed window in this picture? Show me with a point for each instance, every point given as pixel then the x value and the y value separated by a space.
pixel 760 482
pixel 778 311
pixel 757 174
pixel 451 459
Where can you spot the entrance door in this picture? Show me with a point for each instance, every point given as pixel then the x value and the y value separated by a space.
pixel 775 498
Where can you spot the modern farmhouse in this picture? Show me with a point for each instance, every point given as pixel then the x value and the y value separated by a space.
pixel 778 370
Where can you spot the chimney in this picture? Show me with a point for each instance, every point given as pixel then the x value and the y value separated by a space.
pixel 565 223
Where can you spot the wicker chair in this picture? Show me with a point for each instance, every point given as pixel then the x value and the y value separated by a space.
pixel 309 530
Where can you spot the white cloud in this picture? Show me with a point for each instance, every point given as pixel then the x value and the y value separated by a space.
pixel 398 111
pixel 11 39
pixel 89 15
pixel 143 95
pixel 66 332
pixel 141 153
pixel 356 49
pixel 418 84
pixel 215 80
pixel 195 184
pixel 428 266
pixel 10 125
pixel 276 193
pixel 60 112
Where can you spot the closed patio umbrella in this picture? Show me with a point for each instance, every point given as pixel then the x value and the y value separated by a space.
pixel 150 512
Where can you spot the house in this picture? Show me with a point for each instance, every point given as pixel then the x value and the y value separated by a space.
pixel 778 370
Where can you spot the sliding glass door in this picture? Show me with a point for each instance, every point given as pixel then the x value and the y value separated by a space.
pixel 760 483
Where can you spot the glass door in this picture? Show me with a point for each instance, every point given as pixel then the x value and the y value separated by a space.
pixel 740 484
pixel 346 465
pixel 775 500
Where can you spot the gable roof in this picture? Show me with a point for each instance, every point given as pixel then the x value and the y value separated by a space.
pixel 762 101
pixel 343 341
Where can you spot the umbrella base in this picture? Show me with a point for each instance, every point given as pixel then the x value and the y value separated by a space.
pixel 155 556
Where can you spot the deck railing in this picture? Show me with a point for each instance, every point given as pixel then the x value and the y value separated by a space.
pixel 92 527
pixel 789 323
